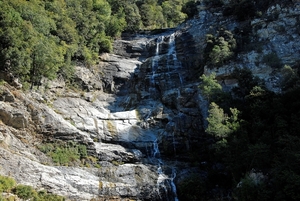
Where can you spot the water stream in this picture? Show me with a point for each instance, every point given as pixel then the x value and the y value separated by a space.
pixel 154 65
pixel 172 63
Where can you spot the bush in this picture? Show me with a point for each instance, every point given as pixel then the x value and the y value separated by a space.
pixel 220 47
pixel 24 192
pixel 6 183
pixel 190 8
pixel 64 153
pixel 44 196
pixel 272 60
pixel 192 188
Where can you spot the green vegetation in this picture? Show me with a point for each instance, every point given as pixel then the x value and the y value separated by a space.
pixel 220 125
pixel 152 14
pixel 192 188
pixel 69 154
pixel 246 10
pixel 6 183
pixel 252 151
pixel 41 38
pixel 25 192
pixel 220 47
pixel 209 86
pixel 290 78
pixel 65 153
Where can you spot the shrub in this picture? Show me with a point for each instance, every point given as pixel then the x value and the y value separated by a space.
pixel 24 192
pixel 44 196
pixel 64 153
pixel 192 188
pixel 220 47
pixel 6 183
pixel 272 60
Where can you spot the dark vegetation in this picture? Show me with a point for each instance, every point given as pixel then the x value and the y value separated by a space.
pixel 251 151
pixel 43 38
pixel 252 148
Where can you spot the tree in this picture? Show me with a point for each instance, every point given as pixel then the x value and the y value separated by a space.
pixel 172 12
pixel 289 77
pixel 190 8
pixel 219 47
pixel 220 125
pixel 246 81
pixel 152 15
pixel 47 59
pixel 133 18
pixel 210 86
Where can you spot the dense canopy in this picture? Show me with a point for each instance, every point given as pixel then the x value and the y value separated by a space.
pixel 40 38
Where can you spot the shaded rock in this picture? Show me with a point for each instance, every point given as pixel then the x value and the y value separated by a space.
pixel 6 95
pixel 89 79
pixel 13 116
pixel 128 180
pixel 117 153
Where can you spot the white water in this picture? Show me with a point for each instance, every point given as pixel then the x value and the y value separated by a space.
pixel 156 57
pixel 174 190
pixel 172 54
pixel 154 65
pixel 163 178
pixel 172 63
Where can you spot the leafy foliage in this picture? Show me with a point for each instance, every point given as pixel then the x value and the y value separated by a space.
pixel 210 86
pixel 256 145
pixel 64 153
pixel 220 47
pixel 24 192
pixel 41 38
pixel 192 188
pixel 246 10
pixel 220 125
pixel 289 78
pixel 6 183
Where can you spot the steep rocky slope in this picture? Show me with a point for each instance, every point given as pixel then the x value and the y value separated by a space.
pixel 139 111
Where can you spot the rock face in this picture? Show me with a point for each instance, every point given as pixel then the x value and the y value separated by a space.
pixel 140 110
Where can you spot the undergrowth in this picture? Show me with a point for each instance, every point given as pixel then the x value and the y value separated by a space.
pixel 68 154
pixel 8 185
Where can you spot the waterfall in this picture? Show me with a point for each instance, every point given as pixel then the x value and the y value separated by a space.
pixel 174 190
pixel 161 176
pixel 154 65
pixel 172 54
pixel 166 187
pixel 163 179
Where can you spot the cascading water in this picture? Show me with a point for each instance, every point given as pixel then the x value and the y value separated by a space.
pixel 161 176
pixel 174 190
pixel 171 63
pixel 172 54
pixel 154 65
pixel 163 179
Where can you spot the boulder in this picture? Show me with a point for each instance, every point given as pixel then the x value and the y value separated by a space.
pixel 13 116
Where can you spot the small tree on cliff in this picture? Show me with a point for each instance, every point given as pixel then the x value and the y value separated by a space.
pixel 220 125
pixel 210 86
